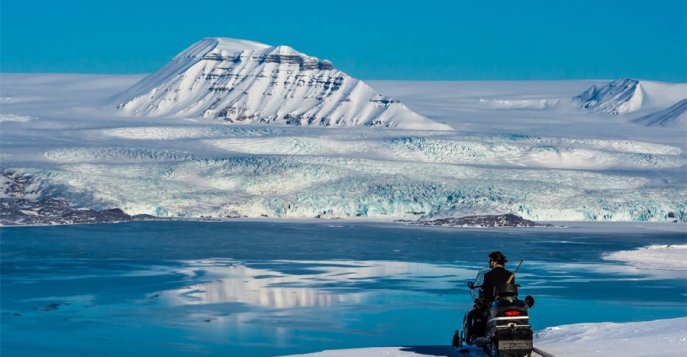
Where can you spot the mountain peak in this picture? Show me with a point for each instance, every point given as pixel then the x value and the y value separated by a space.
pixel 284 51
pixel 218 46
pixel 621 96
pixel 241 81
pixel 233 45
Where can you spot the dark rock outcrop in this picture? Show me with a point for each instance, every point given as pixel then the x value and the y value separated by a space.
pixel 23 202
pixel 502 220
pixel 616 97
pixel 17 185
pixel 47 211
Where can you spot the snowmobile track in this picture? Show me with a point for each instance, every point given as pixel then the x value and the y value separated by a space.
pixel 472 351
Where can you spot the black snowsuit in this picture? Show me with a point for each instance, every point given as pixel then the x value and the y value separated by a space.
pixel 496 276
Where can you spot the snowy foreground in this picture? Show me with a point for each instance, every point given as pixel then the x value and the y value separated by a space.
pixel 647 338
pixel 650 338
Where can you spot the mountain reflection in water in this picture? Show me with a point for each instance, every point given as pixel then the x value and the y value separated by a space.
pixel 288 284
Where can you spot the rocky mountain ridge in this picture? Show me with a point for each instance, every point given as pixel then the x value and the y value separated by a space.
pixel 247 82
pixel 22 202
pixel 674 115
pixel 621 96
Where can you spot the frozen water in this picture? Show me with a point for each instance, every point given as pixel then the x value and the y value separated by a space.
pixel 266 288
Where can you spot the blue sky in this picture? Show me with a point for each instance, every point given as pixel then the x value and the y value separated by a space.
pixel 417 40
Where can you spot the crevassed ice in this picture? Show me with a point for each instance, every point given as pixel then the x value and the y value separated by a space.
pixel 309 186
pixel 292 173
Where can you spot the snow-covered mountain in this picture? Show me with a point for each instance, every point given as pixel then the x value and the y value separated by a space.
pixel 617 97
pixel 248 82
pixel 675 115
pixel 542 165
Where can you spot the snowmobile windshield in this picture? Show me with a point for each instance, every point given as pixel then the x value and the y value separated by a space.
pixel 479 280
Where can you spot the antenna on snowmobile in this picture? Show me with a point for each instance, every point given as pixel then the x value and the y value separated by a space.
pixel 512 276
pixel 519 264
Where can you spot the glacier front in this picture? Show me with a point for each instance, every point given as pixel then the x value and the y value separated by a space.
pixel 553 162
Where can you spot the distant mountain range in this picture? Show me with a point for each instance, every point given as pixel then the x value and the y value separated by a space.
pixel 624 96
pixel 241 81
pixel 248 82
pixel 673 115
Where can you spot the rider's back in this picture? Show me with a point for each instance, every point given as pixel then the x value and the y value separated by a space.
pixel 497 275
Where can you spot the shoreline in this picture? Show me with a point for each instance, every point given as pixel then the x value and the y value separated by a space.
pixel 566 226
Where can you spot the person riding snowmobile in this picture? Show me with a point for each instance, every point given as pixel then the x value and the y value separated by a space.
pixel 497 274
pixel 499 321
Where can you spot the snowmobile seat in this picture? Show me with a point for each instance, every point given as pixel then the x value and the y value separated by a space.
pixel 506 290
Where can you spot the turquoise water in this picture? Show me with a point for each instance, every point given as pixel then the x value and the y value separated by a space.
pixel 270 288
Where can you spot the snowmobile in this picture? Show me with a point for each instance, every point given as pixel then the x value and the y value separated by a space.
pixel 502 328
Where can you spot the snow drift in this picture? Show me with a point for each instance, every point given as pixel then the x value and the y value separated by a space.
pixel 666 338
pixel 654 257
pixel 647 338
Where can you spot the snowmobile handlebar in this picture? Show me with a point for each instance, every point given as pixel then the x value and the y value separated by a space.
pixel 472 286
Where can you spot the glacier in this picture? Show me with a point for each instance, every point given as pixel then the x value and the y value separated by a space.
pixel 530 150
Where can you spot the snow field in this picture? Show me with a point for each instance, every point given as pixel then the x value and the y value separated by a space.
pixel 634 339
pixel 548 152
pixel 647 338
pixel 513 104
pixel 654 257
pixel 544 164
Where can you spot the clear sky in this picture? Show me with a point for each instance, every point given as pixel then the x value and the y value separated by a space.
pixel 418 40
